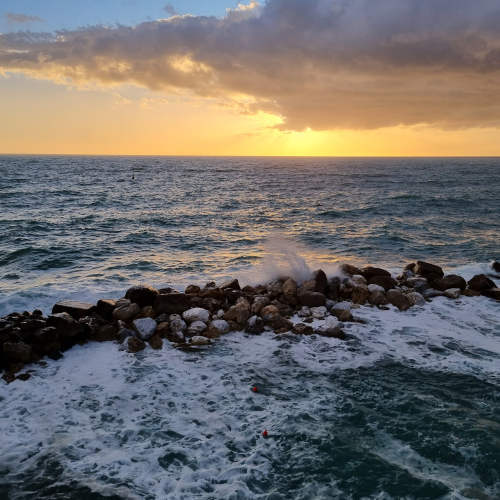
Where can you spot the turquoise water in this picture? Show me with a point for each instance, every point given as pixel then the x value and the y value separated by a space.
pixel 406 408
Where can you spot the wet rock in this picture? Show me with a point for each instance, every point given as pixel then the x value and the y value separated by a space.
pixel 449 281
pixel 350 269
pixel 398 299
pixel 23 376
pixel 17 352
pixel 330 328
pixel 231 284
pixel 125 310
pixel 386 282
pixel 471 293
pixel 453 293
pixel 358 280
pixel 74 308
pixel 378 297
pixel 376 288
pixel 177 324
pixel 304 312
pixel 360 294
pixel 255 325
pixel 171 303
pixel 192 290
pixel 196 314
pixel 196 328
pixel 492 293
pixel 135 344
pixel 302 329
pixel 319 312
pixel 239 313
pixel 199 340
pixel 145 327
pixel 312 299
pixel 65 324
pixel 370 272
pixel 284 309
pixel 216 328
pixel 290 291
pixel 269 312
pixel 418 283
pixel 107 333
pixel 280 324
pixel 259 302
pixel 344 316
pixel 124 333
pixel 429 271
pixel 496 266
pixel 163 329
pixel 416 299
pixel 481 282
pixel 320 281
pixel 156 342
pixel 105 308
pixel 275 288
pixel 46 335
pixel 430 293
pixel 333 291
pixel 143 295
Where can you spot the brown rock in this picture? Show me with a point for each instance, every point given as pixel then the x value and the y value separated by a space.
pixel 471 293
pixel 156 342
pixel 320 281
pixel 378 298
pixel 481 282
pixel 350 269
pixel 105 308
pixel 387 282
pixel 430 271
pixel 259 302
pixel 73 308
pixel 143 295
pixel 232 284
pixel 239 313
pixel 449 281
pixel 398 299
pixel 163 329
pixel 105 333
pixel 135 345
pixel 269 312
pixel 343 315
pixel 192 289
pixel 126 312
pixel 370 272
pixel 302 329
pixel 360 294
pixel 290 291
pixel 492 293
pixel 171 303
pixel 65 325
pixel 312 299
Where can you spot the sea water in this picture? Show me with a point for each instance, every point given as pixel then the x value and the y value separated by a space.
pixel 406 408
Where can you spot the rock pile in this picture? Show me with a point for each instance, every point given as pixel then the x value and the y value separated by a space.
pixel 196 317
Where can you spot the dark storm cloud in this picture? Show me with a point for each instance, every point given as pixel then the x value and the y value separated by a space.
pixel 322 64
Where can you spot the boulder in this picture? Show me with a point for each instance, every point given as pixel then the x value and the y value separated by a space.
pixel 259 302
pixel 196 314
pixel 333 291
pixel 370 272
pixel 105 308
pixel 290 291
pixel 196 328
pixel 416 299
pixel 65 324
pixel 177 324
pixel 275 288
pixel 399 299
pixel 302 329
pixel 330 328
pixel 350 269
pixel 192 290
pixel 320 281
pixel 125 310
pixel 376 288
pixel 74 308
pixel 312 299
pixel 17 352
pixel 481 282
pixel 144 295
pixel 171 303
pixel 145 327
pixel 199 340
pixel 360 294
pixel 135 344
pixel 239 313
pixel 156 342
pixel 255 325
pixel 378 298
pixel 107 333
pixel 430 271
pixel 231 284
pixel 269 312
pixel 492 293
pixel 418 283
pixel 319 312
pixel 280 324
pixel 449 281
pixel 344 316
pixel 358 280
pixel 386 282
pixel 452 293
pixel 216 328
pixel 496 266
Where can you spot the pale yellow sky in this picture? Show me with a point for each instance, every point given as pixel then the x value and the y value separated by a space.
pixel 44 117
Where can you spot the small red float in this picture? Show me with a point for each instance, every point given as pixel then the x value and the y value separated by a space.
pixel 254 389
pixel 264 434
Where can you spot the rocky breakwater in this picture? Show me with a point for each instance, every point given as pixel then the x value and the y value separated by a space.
pixel 195 318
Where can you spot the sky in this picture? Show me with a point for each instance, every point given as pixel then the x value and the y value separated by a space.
pixel 275 77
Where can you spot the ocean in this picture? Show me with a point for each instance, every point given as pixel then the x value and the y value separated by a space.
pixel 407 408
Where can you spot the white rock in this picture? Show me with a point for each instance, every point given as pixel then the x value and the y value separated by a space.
pixel 196 314
pixel 199 340
pixel 304 312
pixel 219 314
pixel 220 325
pixel 376 288
pixel 330 325
pixel 145 327
pixel 453 293
pixel 196 327
pixel 342 306
pixel 318 312
pixel 416 299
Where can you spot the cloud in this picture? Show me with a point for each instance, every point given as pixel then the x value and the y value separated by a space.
pixel 170 9
pixel 22 18
pixel 319 64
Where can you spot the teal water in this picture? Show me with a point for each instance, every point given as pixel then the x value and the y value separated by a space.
pixel 406 408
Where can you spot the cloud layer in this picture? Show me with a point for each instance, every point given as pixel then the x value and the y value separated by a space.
pixel 322 64
pixel 12 17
